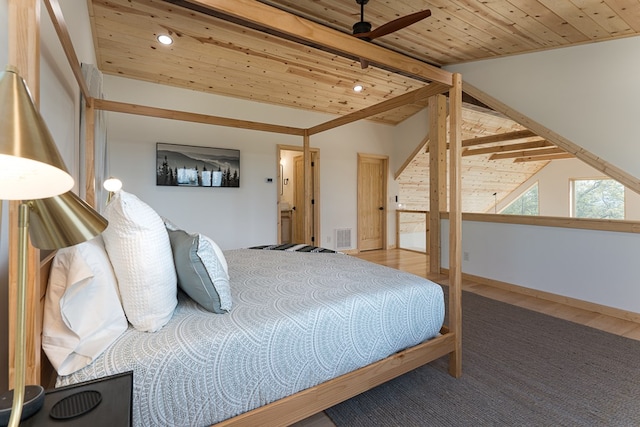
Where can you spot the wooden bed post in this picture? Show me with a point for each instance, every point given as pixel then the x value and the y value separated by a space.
pixel 437 175
pixel 455 224
pixel 89 154
pixel 24 54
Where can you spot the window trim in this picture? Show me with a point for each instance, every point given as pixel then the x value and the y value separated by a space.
pixel 572 196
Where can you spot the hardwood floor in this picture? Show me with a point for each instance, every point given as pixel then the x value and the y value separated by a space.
pixel 417 263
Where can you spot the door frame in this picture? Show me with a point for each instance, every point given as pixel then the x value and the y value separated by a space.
pixel 385 180
pixel 316 189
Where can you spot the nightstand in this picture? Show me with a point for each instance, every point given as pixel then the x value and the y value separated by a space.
pixel 114 408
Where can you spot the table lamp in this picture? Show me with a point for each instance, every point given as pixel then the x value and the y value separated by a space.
pixel 112 185
pixel 32 171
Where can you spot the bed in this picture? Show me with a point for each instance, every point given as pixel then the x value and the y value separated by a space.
pixel 270 323
pixel 299 319
pixel 304 399
pixel 295 406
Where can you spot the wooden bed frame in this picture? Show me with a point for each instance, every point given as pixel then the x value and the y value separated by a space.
pixel 307 402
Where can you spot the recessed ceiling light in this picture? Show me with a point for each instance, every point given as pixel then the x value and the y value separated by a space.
pixel 165 39
pixel 358 88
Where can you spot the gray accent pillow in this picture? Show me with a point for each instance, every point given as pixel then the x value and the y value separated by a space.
pixel 201 273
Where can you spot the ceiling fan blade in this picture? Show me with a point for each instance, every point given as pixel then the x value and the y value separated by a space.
pixel 396 24
pixel 364 63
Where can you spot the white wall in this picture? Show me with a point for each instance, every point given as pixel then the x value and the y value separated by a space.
pixel 588 94
pixel 245 216
pixel 553 189
pixel 596 266
pixel 407 135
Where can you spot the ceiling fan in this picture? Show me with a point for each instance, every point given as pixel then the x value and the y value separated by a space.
pixel 362 29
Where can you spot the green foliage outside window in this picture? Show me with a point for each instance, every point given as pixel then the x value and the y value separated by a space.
pixel 526 204
pixel 598 198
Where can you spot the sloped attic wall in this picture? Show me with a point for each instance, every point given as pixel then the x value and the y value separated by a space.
pixel 587 94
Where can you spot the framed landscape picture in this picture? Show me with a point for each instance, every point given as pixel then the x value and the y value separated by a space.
pixel 191 166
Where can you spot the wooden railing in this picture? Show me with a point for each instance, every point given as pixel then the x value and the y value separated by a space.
pixel 552 221
pixel 418 221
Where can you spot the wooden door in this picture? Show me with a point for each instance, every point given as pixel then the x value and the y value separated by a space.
pixel 298 200
pixel 372 196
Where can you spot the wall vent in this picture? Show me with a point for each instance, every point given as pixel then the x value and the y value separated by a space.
pixel 343 238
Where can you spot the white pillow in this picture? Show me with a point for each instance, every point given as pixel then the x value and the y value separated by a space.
pixel 218 252
pixel 201 271
pixel 138 246
pixel 82 310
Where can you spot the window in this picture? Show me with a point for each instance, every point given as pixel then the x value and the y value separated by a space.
pixel 597 198
pixel 526 204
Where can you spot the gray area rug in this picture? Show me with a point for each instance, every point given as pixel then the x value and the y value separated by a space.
pixel 520 368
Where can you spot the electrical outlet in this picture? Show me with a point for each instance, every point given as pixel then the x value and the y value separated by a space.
pixel 465 256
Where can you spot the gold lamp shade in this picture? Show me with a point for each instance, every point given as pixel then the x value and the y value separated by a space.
pixel 30 165
pixel 61 221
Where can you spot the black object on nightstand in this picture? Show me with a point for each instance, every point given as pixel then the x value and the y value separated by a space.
pixel 104 402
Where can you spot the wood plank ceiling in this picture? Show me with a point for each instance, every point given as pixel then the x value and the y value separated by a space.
pixel 216 55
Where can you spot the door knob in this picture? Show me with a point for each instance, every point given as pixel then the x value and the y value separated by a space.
pixel 381 208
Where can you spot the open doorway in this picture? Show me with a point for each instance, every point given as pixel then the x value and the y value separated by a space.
pixel 291 207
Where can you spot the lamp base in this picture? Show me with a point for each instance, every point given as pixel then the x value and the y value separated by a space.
pixel 33 401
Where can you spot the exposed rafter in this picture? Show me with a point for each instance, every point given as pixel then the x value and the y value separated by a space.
pixel 507 148
pixel 500 137
pixel 527 153
pixel 544 158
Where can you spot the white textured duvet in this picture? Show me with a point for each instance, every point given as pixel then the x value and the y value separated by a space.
pixel 298 319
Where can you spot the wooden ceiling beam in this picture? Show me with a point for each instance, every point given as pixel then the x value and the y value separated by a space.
pixel 390 104
pixel 141 110
pixel 527 153
pixel 500 137
pixel 59 24
pixel 506 148
pixel 256 13
pixel 544 158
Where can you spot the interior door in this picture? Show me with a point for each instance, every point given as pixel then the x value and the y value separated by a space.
pixel 372 195
pixel 298 200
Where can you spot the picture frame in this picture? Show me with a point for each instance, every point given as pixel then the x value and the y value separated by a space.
pixel 195 166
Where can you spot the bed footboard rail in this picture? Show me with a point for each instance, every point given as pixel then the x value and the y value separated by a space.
pixel 308 402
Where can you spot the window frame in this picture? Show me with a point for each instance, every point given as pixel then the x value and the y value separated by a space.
pixel 572 196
